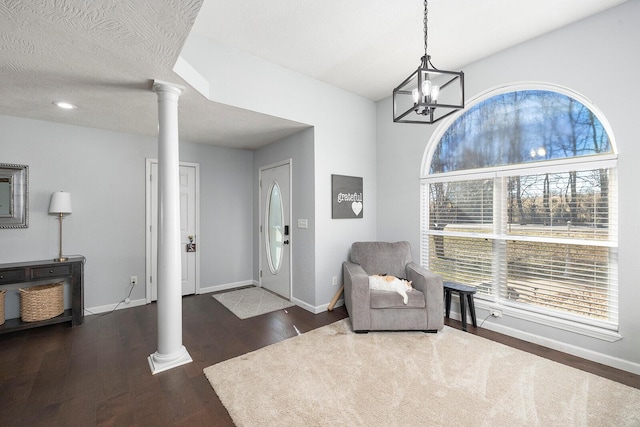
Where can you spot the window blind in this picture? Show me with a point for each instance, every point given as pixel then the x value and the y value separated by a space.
pixel 542 240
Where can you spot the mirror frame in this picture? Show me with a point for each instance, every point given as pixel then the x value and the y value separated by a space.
pixel 19 212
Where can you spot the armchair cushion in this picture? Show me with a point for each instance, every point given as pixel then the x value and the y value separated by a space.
pixel 390 299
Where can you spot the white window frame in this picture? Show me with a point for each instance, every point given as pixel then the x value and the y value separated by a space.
pixel 607 331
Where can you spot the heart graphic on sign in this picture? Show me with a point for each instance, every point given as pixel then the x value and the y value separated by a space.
pixel 356 207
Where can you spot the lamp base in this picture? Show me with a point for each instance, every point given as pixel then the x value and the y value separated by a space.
pixel 61 259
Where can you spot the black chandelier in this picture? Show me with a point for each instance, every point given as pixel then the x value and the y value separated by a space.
pixel 428 94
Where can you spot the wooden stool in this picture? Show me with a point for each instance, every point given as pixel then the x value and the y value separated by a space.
pixel 462 290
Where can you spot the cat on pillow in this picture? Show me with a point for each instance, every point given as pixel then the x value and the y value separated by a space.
pixel 379 282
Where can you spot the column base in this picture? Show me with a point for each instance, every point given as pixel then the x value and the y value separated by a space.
pixel 163 362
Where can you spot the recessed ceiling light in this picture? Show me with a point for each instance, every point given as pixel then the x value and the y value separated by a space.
pixel 65 105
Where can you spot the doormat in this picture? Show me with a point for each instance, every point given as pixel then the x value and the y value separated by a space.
pixel 250 302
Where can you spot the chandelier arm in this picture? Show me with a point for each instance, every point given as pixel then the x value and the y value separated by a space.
pixel 431 63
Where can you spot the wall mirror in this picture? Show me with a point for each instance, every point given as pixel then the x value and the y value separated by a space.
pixel 14 196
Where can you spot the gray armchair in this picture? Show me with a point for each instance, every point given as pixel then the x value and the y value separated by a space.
pixel 372 310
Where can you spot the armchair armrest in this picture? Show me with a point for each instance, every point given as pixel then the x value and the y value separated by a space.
pixel 357 295
pixel 430 284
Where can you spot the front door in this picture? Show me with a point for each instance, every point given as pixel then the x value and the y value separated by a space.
pixel 188 224
pixel 275 230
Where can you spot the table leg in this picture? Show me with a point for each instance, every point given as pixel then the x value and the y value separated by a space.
pixel 472 310
pixel 447 302
pixel 463 312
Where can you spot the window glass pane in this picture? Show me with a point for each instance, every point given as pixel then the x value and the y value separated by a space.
pixel 571 204
pixel 520 127
pixel 275 229
pixel 463 260
pixel 461 206
pixel 568 278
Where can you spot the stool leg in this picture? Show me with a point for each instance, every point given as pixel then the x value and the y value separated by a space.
pixel 472 310
pixel 463 312
pixel 447 302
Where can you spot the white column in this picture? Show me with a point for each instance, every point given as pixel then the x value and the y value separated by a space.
pixel 171 352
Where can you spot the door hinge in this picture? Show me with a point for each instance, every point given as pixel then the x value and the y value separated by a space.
pixel 261 228
pixel 150 279
pixel 261 274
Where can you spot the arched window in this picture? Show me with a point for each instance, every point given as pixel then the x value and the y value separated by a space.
pixel 519 199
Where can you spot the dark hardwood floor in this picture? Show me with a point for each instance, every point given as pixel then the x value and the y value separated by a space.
pixel 98 374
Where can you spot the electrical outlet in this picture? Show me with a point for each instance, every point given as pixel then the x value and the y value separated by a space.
pixel 496 313
pixel 134 280
pixel 334 280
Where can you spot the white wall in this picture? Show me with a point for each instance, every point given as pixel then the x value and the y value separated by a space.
pixel 344 133
pixel 595 57
pixel 105 174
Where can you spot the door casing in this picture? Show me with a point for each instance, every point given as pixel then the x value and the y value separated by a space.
pixel 149 231
pixel 263 188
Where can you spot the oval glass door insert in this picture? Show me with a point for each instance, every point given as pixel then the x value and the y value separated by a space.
pixel 275 228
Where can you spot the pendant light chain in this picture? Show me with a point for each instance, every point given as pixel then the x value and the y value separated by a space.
pixel 426 22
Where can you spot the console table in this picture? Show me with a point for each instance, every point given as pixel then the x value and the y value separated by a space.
pixel 26 272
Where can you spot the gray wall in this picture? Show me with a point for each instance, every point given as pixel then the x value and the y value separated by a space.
pixel 298 148
pixel 226 212
pixel 597 58
pixel 344 140
pixel 105 174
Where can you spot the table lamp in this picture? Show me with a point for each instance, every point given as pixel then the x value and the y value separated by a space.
pixel 60 205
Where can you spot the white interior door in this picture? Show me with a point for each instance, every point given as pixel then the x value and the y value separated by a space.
pixel 188 228
pixel 275 238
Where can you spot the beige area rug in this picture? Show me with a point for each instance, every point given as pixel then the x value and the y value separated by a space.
pixel 333 377
pixel 249 302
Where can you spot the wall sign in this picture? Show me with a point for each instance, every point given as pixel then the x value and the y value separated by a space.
pixel 346 197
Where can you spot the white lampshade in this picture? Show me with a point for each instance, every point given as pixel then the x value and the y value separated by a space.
pixel 60 203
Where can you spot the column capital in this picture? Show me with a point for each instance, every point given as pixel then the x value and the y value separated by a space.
pixel 162 86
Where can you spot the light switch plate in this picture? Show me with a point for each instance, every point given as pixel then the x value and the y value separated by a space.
pixel 303 223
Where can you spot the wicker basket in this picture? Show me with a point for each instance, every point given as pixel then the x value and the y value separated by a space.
pixel 41 302
pixel 2 292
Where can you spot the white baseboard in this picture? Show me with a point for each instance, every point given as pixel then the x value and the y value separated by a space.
pixel 584 353
pixel 315 309
pixel 112 307
pixel 304 305
pixel 573 350
pixel 227 286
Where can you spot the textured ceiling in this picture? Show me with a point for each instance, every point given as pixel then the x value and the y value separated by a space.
pixel 103 54
pixel 100 55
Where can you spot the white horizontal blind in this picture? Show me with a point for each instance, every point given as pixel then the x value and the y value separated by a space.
pixel 563 252
pixel 572 204
pixel 574 279
pixel 458 212
pixel 555 252
pixel 465 260
pixel 465 206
